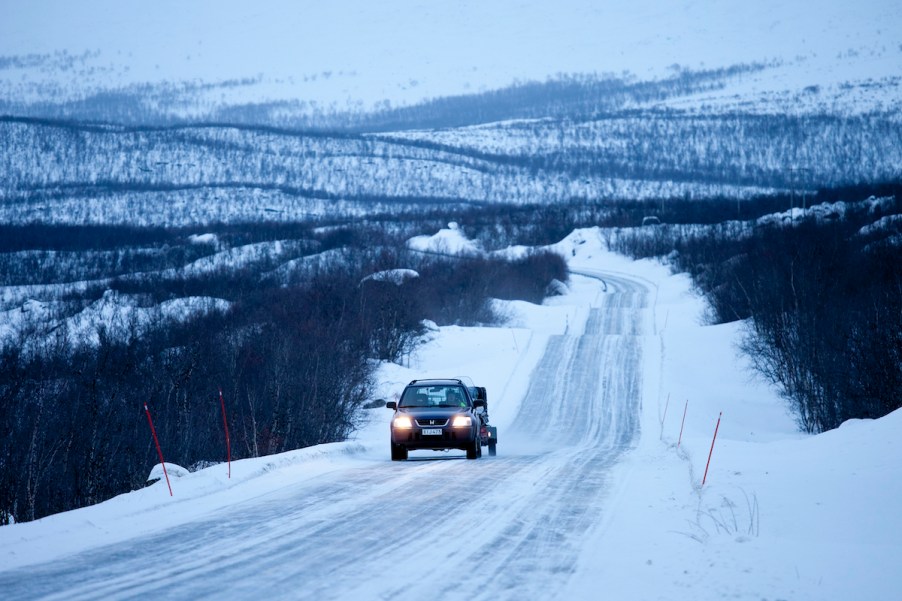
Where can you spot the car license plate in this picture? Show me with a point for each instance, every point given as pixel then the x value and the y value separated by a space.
pixel 432 431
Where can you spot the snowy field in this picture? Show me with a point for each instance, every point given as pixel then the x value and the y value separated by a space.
pixel 353 54
pixel 781 515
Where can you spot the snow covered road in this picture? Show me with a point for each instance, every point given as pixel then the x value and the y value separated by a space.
pixel 437 526
pixel 577 504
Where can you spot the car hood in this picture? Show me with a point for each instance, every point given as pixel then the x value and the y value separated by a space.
pixel 432 412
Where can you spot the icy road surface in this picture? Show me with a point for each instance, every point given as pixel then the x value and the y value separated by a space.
pixel 435 527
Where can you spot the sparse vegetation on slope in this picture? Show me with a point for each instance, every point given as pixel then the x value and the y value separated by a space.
pixel 292 350
pixel 822 293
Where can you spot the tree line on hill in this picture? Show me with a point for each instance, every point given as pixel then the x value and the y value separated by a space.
pixel 821 293
pixel 85 172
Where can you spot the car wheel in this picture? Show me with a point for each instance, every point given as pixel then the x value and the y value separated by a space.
pixel 473 449
pixel 398 453
pixel 492 450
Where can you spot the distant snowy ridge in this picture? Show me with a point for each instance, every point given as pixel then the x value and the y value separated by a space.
pixel 210 56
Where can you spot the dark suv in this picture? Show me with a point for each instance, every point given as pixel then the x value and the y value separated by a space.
pixel 440 415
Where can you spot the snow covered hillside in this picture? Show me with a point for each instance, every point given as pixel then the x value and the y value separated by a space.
pixel 781 515
pixel 222 113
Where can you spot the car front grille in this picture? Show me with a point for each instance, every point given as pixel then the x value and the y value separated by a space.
pixel 432 423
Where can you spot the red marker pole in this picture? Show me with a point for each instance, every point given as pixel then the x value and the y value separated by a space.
pixel 159 451
pixel 712 448
pixel 225 426
pixel 683 423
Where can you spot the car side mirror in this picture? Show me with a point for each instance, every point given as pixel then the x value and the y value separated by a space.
pixel 479 403
pixel 391 405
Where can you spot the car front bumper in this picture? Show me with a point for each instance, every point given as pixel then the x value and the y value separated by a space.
pixel 450 438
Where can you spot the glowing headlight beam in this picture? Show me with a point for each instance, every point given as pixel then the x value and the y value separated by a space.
pixel 403 423
pixel 462 421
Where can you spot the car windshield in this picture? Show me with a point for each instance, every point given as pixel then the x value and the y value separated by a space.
pixel 451 395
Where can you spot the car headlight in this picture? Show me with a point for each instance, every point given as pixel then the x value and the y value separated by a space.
pixel 402 423
pixel 462 421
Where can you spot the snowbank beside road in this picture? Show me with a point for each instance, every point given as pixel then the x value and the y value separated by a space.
pixel 782 515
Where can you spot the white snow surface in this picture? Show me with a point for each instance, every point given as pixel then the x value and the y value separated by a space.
pixel 781 516
pixel 360 54
pixel 449 241
pixel 121 316
pixel 118 315
pixel 172 471
pixel 393 276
